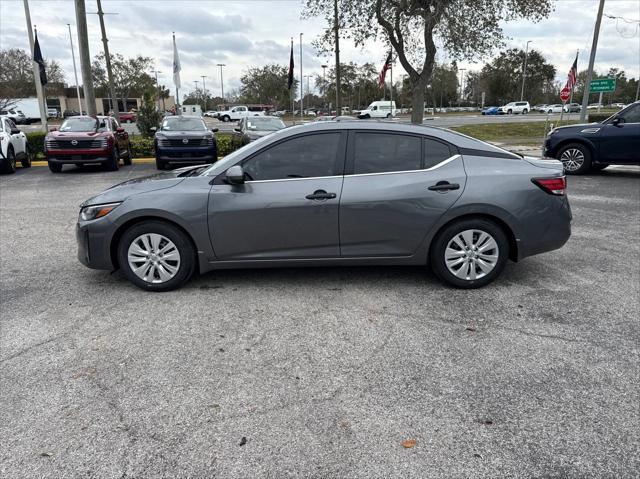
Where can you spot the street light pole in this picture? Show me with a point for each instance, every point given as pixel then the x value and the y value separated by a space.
pixel 222 83
pixel 157 86
pixel 75 71
pixel 592 59
pixel 301 84
pixel 324 82
pixel 107 60
pixel 524 70
pixel 204 91
pixel 462 70
pixel 85 58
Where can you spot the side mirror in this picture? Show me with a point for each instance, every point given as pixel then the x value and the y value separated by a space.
pixel 235 175
pixel 214 130
pixel 154 128
pixel 15 131
pixel 617 120
pixel 237 129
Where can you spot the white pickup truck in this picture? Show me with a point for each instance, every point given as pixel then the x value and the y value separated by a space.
pixel 237 113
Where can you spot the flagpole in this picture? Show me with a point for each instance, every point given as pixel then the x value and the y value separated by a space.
pixel 75 72
pixel 301 84
pixel 175 52
pixel 36 70
pixel 574 85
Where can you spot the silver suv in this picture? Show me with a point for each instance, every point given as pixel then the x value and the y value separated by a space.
pixel 516 107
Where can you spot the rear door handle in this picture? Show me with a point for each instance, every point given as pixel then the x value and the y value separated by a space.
pixel 444 186
pixel 320 195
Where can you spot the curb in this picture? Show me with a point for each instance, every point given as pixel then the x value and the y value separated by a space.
pixel 136 161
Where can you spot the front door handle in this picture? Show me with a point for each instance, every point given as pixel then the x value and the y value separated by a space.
pixel 320 195
pixel 444 186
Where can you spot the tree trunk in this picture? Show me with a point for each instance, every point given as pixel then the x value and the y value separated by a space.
pixel 417 102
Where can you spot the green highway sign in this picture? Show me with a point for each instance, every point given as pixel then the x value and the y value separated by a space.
pixel 603 85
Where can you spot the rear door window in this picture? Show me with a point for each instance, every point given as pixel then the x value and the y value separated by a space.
pixel 435 152
pixel 383 152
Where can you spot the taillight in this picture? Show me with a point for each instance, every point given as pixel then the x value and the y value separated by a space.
pixel 553 186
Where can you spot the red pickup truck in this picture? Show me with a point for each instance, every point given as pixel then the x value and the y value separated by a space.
pixel 86 140
pixel 130 117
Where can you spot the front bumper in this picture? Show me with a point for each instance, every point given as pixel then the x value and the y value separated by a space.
pixel 94 239
pixel 187 155
pixel 78 157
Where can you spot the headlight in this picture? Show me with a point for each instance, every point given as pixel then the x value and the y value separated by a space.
pixel 93 212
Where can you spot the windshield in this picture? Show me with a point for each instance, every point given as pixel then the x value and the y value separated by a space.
pixel 265 124
pixel 84 123
pixel 183 123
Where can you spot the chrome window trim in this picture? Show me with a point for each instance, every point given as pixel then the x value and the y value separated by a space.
pixel 294 179
pixel 435 167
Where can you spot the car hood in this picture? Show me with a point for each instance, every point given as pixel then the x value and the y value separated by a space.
pixel 259 133
pixel 577 128
pixel 76 134
pixel 126 189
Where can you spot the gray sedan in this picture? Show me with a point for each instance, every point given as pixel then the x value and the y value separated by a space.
pixel 333 193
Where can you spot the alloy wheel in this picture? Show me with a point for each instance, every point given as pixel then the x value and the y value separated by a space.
pixel 153 258
pixel 572 158
pixel 471 254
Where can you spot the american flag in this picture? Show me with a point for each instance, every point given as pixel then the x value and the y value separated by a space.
pixel 383 72
pixel 573 75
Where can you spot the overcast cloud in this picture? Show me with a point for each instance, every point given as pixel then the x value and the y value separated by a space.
pixel 245 33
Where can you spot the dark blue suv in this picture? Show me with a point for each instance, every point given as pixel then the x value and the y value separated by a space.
pixel 184 139
pixel 594 146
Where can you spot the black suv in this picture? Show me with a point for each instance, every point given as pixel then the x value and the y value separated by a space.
pixel 595 146
pixel 184 139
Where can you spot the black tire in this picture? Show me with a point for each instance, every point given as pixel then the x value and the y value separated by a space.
pixel 128 159
pixel 525 111
pixel 187 264
pixel 9 164
pixel 577 159
pixel 388 115
pixel 55 167
pixel 161 165
pixel 226 118
pixel 445 236
pixel 26 161
pixel 509 112
pixel 112 163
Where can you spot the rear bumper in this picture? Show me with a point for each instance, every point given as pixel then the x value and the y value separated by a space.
pixel 550 234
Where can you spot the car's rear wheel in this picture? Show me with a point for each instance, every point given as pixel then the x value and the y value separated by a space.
pixel 112 163
pixel 161 165
pixel 226 118
pixel 525 111
pixel 509 112
pixel 55 167
pixel 156 256
pixel 128 159
pixel 26 161
pixel 469 253
pixel 576 158
pixel 10 161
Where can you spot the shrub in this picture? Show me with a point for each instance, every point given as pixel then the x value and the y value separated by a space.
pixel 226 145
pixel 148 116
pixel 141 146
pixel 598 117
pixel 35 144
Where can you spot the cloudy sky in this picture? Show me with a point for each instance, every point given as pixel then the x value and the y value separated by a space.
pixel 244 33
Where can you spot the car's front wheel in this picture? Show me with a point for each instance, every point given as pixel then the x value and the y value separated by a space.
pixel 469 253
pixel 226 118
pixel 112 163
pixel 128 159
pixel 576 158
pixel 156 256
pixel 10 161
pixel 525 111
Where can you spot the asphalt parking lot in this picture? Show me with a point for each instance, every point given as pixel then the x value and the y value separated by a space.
pixel 320 372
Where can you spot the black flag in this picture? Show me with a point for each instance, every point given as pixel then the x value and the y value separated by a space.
pixel 290 81
pixel 37 57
